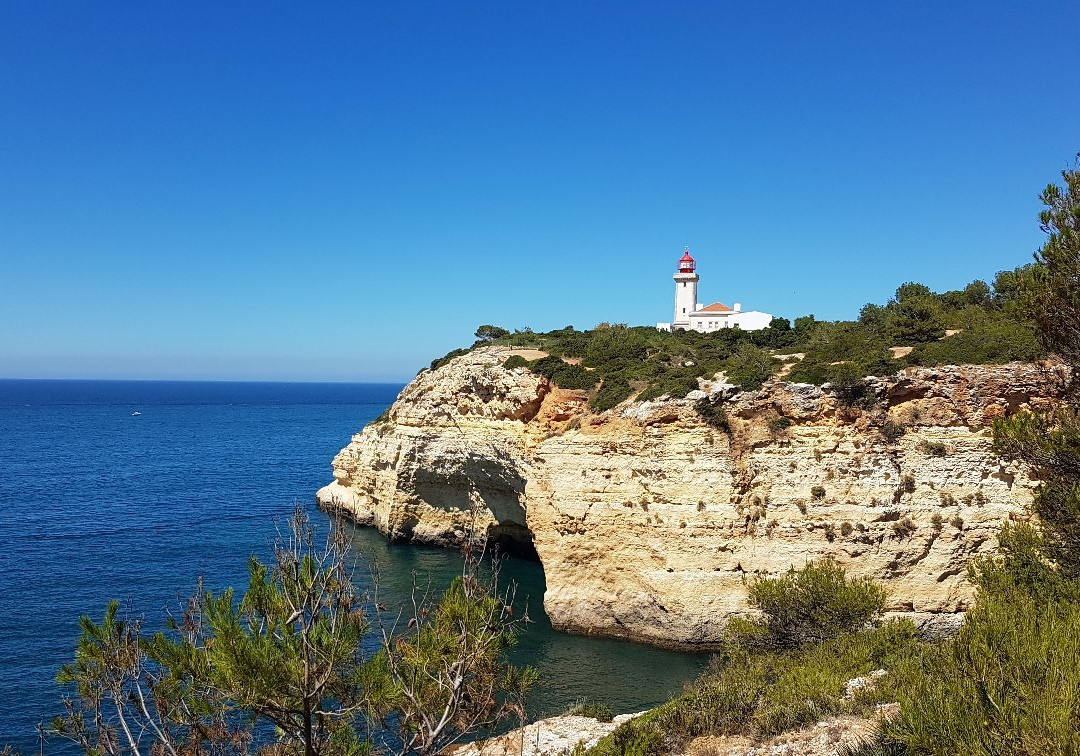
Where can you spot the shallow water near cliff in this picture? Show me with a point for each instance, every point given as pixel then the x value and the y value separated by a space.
pixel 131 490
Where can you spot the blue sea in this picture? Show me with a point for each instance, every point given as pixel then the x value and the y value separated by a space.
pixel 134 489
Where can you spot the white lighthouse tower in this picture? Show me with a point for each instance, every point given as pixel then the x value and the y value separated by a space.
pixel 686 281
pixel 691 316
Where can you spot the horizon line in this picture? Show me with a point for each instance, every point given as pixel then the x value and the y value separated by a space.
pixel 210 380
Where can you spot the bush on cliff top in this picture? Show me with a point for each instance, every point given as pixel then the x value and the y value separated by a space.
pixel 563 374
pixel 992 328
pixel 612 392
pixel 676 384
pixel 438 362
pixel 515 361
pixel 750 367
pixel 988 341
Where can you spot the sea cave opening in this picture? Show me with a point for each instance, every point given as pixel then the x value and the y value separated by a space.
pixel 514 539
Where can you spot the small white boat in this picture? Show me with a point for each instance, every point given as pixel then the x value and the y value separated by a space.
pixel 135 414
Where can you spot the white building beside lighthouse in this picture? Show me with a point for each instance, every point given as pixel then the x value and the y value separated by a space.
pixel 691 316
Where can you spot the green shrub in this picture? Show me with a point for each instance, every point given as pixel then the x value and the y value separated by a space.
pixel 1006 684
pixel 846 378
pixel 809 605
pixel 438 363
pixel 651 392
pixel 713 414
pixel 848 386
pixel 594 709
pixel 780 424
pixel 563 374
pixel 515 361
pixel 547 366
pixel 1021 568
pixel 957 522
pixel 609 343
pixel 809 372
pixel 611 393
pixel 676 386
pixel 817 492
pixel 765 693
pixel 750 367
pixel 845 529
pixel 892 432
pixel 859 350
pixel 990 341
pixel 1051 443
pixel 933 448
pixel 574 377
pixel 907 484
pixel 904 528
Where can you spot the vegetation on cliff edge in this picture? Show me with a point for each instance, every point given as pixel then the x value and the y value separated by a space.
pixel 979 324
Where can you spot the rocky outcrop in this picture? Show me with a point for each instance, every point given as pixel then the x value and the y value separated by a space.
pixel 554 736
pixel 560 736
pixel 649 522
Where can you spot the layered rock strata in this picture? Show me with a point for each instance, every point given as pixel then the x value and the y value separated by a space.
pixel 650 522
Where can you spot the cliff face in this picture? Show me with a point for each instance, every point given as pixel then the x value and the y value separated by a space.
pixel 649 522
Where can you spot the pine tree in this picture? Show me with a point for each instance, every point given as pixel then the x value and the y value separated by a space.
pixel 289 667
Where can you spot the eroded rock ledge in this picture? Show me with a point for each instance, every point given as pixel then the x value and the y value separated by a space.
pixel 648 521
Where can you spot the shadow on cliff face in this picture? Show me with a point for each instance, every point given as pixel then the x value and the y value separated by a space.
pixel 493 482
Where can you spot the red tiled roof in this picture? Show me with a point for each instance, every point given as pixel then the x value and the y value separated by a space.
pixel 716 307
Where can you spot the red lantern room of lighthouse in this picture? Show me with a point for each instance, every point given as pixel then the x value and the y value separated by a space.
pixel 686 263
pixel 686 281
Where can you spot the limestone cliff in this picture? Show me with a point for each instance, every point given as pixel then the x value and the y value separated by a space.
pixel 649 522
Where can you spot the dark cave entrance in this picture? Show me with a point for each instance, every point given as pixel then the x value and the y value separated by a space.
pixel 514 539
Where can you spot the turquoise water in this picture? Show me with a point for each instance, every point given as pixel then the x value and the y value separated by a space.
pixel 626 676
pixel 99 502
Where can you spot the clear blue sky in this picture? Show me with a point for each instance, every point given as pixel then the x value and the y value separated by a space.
pixel 342 191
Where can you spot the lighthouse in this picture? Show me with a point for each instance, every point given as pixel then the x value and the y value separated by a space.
pixel 691 316
pixel 686 281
